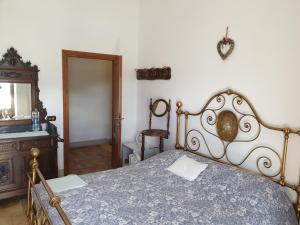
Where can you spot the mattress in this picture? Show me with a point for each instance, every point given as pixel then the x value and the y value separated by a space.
pixel 146 193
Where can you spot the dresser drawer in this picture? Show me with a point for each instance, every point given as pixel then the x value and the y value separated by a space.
pixel 11 173
pixel 6 176
pixel 38 143
pixel 8 147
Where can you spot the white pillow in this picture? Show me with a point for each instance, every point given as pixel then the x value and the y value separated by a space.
pixel 187 168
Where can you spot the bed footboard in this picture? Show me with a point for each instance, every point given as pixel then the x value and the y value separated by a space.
pixel 37 212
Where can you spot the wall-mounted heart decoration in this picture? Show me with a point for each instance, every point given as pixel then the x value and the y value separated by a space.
pixel 225 47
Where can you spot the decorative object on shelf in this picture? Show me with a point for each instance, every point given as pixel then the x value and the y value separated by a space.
pixel 154 74
pixel 224 53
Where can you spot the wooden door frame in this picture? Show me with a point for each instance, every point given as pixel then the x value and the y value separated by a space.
pixel 116 108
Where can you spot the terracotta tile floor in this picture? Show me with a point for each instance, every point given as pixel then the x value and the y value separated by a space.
pixel 12 211
pixel 90 159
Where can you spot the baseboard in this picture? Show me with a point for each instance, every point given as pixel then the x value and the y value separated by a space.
pixel 89 143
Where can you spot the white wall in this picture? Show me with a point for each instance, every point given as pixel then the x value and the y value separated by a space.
pixel 39 30
pixel 264 65
pixel 90 99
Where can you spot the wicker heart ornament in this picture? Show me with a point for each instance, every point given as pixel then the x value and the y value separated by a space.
pixel 220 47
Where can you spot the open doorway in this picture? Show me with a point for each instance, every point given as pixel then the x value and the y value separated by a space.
pixel 92 111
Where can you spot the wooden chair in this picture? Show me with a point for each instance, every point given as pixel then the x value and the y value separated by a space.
pixel 158 108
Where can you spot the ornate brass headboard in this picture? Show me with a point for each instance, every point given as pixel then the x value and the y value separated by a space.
pixel 227 119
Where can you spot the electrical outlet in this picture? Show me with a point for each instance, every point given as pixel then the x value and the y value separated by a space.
pixel 51 118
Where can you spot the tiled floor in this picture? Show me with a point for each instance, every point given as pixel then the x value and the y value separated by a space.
pixel 90 159
pixel 12 211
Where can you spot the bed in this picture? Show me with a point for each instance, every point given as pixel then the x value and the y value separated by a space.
pixel 231 190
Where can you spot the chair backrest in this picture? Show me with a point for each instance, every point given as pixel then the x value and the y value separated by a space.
pixel 160 108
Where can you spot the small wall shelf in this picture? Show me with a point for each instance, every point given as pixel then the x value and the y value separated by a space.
pixel 154 74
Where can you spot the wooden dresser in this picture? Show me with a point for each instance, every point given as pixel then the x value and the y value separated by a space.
pixel 19 96
pixel 15 158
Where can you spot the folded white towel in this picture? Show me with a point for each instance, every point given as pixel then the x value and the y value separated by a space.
pixel 66 183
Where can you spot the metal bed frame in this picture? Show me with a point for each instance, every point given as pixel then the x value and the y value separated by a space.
pixel 223 119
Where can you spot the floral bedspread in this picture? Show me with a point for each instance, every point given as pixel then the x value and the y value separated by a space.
pixel 146 193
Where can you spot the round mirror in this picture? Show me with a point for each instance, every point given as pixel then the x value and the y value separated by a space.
pixel 159 107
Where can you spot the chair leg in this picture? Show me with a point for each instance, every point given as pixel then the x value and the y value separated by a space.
pixel 143 147
pixel 161 144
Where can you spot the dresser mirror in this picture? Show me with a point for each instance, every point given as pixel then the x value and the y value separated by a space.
pixel 15 101
pixel 19 96
pixel 19 92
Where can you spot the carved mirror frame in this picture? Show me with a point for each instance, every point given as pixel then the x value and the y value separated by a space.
pixel 14 70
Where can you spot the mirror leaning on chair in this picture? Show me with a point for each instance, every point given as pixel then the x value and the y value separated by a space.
pixel 158 108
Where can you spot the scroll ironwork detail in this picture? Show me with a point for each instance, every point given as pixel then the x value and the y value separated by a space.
pixel 249 130
pixel 204 139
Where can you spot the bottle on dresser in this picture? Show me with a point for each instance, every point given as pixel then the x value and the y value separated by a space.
pixel 35 116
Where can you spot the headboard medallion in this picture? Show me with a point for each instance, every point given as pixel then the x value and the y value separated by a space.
pixel 227 125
